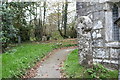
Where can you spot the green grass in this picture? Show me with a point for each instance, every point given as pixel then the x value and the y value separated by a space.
pixel 17 60
pixel 72 69
pixel 0 67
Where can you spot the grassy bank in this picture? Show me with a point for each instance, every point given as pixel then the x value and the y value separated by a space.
pixel 17 60
pixel 72 69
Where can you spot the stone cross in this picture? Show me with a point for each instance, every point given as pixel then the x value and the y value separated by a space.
pixel 84 28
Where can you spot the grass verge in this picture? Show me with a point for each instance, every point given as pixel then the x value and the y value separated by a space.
pixel 72 69
pixel 17 60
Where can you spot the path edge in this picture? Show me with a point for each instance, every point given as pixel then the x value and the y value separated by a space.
pixel 31 73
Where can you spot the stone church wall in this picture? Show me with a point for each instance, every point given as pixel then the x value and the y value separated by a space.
pixel 105 50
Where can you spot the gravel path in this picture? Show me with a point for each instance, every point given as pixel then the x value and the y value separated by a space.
pixel 50 68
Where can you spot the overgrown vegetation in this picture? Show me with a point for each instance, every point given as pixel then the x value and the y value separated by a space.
pixel 17 60
pixel 72 69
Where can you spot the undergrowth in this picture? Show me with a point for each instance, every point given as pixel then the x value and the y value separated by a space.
pixel 72 69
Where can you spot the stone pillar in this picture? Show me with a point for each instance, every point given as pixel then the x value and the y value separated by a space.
pixel 84 27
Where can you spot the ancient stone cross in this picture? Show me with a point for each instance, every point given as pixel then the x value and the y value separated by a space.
pixel 84 28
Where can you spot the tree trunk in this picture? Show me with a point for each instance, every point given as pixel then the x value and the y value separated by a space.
pixel 60 31
pixel 65 18
pixel 44 13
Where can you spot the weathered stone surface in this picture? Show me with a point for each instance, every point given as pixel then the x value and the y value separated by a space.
pixel 44 38
pixel 84 27
pixel 114 53
pixel 99 52
pixel 94 34
pixel 113 44
pixel 103 45
pixel 98 43
pixel 108 26
pixel 99 35
pixel 98 25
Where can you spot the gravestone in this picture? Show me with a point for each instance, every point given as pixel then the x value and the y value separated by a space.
pixel 44 38
pixel 19 39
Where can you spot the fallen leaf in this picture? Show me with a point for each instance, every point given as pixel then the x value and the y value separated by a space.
pixel 57 69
